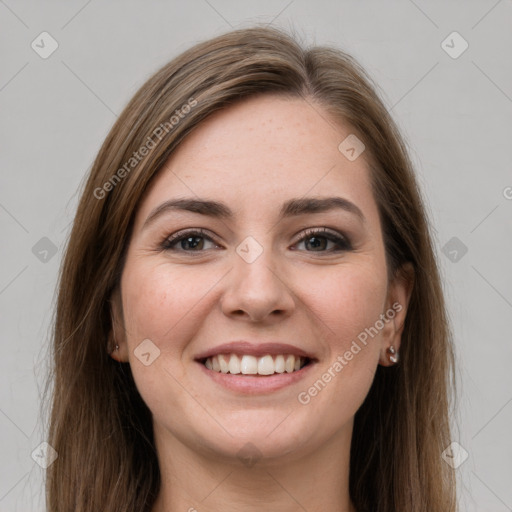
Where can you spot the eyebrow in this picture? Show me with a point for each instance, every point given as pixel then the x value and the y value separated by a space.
pixel 290 208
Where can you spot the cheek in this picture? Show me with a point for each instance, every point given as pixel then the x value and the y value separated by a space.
pixel 347 301
pixel 164 306
pixel 159 303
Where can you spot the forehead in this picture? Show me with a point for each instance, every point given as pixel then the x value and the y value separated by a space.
pixel 259 153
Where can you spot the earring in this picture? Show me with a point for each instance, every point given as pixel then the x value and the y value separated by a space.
pixel 393 355
pixel 112 346
pixel 111 335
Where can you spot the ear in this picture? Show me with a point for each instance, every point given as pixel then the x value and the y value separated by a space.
pixel 117 335
pixel 397 302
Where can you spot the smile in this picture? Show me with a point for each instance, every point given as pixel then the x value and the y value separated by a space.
pixel 252 365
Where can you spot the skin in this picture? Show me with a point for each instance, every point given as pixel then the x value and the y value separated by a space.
pixel 253 157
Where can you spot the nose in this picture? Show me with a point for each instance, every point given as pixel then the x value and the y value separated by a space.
pixel 257 291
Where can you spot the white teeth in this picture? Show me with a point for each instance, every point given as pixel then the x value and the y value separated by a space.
pixel 234 364
pixel 251 365
pixel 224 363
pixel 289 364
pixel 279 364
pixel 266 365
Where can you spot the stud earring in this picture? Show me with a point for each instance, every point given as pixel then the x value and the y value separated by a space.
pixel 112 346
pixel 111 335
pixel 393 355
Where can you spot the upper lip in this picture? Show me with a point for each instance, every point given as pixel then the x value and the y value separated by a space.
pixel 242 348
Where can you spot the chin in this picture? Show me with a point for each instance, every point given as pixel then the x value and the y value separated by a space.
pixel 268 440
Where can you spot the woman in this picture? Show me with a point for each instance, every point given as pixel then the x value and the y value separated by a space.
pixel 250 314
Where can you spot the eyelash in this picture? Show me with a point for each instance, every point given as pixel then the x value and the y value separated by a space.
pixel 343 243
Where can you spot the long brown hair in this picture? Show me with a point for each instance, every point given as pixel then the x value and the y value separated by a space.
pixel 100 426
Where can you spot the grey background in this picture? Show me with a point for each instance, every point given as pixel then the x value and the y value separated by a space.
pixel 456 114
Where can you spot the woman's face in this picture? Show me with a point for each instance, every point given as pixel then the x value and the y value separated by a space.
pixel 272 274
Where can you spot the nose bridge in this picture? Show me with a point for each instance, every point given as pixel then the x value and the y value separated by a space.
pixel 261 270
pixel 255 265
pixel 256 288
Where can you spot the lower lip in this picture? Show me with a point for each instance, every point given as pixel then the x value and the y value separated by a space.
pixel 257 384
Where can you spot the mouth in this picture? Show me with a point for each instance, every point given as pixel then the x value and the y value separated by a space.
pixel 247 364
pixel 254 368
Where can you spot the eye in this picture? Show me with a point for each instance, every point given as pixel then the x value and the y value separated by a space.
pixel 192 240
pixel 319 238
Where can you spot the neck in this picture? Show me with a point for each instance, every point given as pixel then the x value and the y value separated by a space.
pixel 313 480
